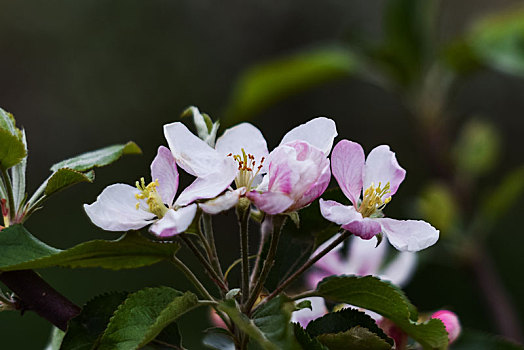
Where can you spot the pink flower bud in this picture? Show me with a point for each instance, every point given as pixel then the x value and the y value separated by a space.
pixel 451 322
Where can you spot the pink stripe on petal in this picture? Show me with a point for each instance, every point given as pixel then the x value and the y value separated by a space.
pixel 347 163
pixel 163 169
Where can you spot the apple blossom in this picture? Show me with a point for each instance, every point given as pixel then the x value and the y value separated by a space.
pixel 377 178
pixel 122 207
pixel 297 170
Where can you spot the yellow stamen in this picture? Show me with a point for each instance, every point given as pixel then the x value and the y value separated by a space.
pixel 150 194
pixel 246 169
pixel 372 199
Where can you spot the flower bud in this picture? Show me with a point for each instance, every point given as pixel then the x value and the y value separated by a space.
pixel 451 322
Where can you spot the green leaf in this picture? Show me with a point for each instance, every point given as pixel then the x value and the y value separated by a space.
pixel 246 325
pixel 66 177
pixel 12 149
pixel 19 250
pixel 356 338
pixel 84 330
pixel 306 341
pixel 344 320
pixel 143 316
pixel 272 81
pixel 273 319
pixel 382 297
pixel 99 158
pixel 55 339
pixel 170 338
pixel 498 40
pixel 7 122
pixel 504 196
pixel 218 339
pixel 475 340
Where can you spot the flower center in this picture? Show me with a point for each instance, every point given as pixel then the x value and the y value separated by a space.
pixel 150 194
pixel 372 199
pixel 246 169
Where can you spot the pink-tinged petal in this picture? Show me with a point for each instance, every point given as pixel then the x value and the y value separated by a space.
pixel 316 190
pixel 163 169
pixel 209 186
pixel 191 153
pixel 224 202
pixel 174 222
pixel 338 213
pixel 382 167
pixel 271 203
pixel 409 235
pixel 451 322
pixel 244 136
pixel 283 170
pixel 304 316
pixel 319 132
pixel 400 270
pixel 315 276
pixel 347 163
pixel 365 257
pixel 365 228
pixel 115 209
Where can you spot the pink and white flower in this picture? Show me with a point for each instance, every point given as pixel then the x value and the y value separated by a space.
pixel 377 178
pixel 362 258
pixel 451 322
pixel 297 171
pixel 121 207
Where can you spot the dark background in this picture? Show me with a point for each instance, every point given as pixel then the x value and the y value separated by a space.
pixel 83 75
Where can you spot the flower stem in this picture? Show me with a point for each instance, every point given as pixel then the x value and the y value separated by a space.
pixel 243 212
pixel 266 229
pixel 343 235
pixel 191 277
pixel 208 229
pixel 208 268
pixel 278 223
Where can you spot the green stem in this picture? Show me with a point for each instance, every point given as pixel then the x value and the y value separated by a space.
pixel 243 212
pixel 266 229
pixel 208 229
pixel 343 235
pixel 11 199
pixel 191 277
pixel 278 223
pixel 208 268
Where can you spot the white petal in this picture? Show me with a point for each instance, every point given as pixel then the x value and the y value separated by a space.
pixel 191 153
pixel 115 209
pixel 223 202
pixel 164 170
pixel 319 132
pixel 400 269
pixel 209 186
pixel 365 257
pixel 174 222
pixel 409 235
pixel 243 136
pixel 382 167
pixel 338 213
pixel 304 316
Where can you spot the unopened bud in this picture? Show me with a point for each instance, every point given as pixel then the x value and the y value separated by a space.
pixel 451 322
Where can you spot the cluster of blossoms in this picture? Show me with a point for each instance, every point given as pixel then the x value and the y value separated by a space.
pixel 284 180
pixel 238 169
